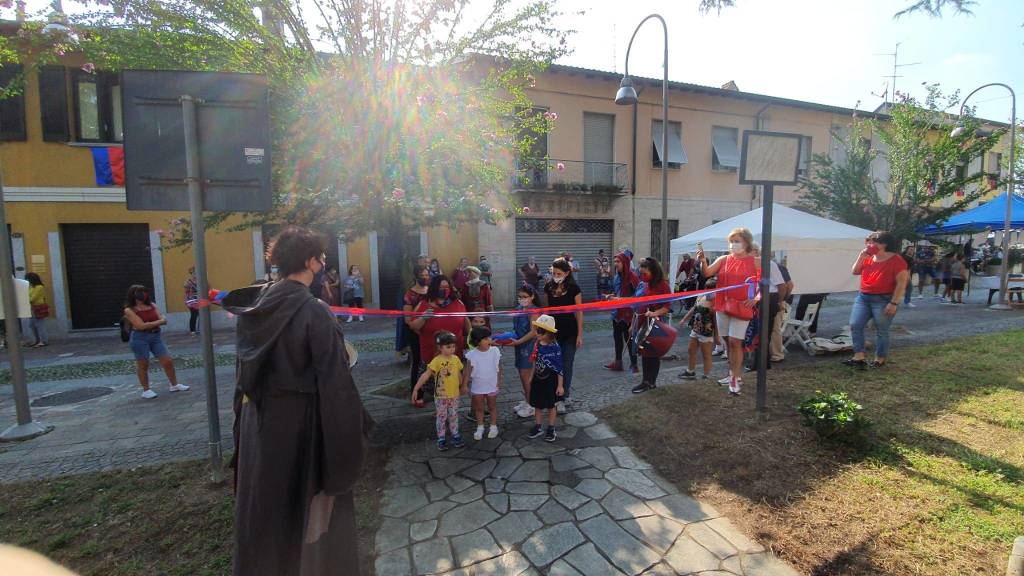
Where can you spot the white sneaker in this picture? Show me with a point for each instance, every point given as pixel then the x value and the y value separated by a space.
pixel 361 319
pixel 725 381
pixel 718 351
pixel 492 432
pixel 479 434
pixel 147 394
pixel 349 321
pixel 526 411
pixel 560 407
pixel 178 388
pixel 919 296
pixel 911 305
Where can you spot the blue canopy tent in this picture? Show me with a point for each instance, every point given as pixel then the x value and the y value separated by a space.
pixel 991 214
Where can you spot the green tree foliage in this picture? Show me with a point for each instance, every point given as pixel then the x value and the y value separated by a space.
pixel 384 114
pixel 928 178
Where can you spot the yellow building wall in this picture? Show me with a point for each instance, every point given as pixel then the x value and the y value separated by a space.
pixel 229 254
pixel 448 245
pixel 359 255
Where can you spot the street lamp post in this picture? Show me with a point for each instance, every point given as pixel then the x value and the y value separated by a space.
pixel 1004 266
pixel 627 96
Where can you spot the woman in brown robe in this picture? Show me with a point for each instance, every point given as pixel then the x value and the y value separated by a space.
pixel 300 427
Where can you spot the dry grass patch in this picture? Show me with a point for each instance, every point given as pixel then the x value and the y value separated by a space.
pixel 937 490
pixel 164 520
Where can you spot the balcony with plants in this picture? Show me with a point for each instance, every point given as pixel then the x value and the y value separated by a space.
pixel 572 177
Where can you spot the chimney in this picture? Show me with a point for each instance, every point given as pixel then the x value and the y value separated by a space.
pixel 731 85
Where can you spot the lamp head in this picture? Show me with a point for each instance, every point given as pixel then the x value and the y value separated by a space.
pixel 626 95
pixel 956 132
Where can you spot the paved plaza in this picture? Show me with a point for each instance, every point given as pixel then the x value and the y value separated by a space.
pixel 583 505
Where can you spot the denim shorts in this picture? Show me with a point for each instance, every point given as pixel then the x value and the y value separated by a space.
pixel 145 343
pixel 523 353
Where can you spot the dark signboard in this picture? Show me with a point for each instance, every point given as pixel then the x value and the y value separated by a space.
pixel 232 119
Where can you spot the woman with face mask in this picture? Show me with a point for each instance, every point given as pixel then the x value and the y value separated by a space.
pixel 562 290
pixel 883 278
pixel 734 308
pixel 652 282
pixel 440 297
pixel 301 433
pixel 413 296
pixel 145 339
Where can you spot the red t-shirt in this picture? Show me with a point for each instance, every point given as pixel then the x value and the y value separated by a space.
pixel 880 277
pixel 734 272
pixel 454 324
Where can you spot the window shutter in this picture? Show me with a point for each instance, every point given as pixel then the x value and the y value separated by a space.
pixel 53 104
pixel 12 108
pixel 598 151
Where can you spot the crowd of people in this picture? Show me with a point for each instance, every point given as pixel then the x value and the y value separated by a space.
pixel 301 431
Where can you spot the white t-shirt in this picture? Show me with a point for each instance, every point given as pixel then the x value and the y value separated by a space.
pixel 775 278
pixel 484 378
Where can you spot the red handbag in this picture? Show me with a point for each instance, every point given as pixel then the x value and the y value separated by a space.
pixel 736 309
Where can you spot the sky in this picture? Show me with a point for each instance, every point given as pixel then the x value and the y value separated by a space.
pixel 824 51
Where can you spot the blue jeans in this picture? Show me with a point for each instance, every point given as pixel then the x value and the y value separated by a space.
pixel 871 307
pixel 568 347
pixel 145 343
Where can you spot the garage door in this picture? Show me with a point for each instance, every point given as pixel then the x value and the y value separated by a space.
pixel 545 239
pixel 102 261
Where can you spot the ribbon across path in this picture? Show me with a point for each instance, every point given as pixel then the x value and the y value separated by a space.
pixel 217 296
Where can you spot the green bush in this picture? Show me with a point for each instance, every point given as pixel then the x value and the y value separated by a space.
pixel 834 416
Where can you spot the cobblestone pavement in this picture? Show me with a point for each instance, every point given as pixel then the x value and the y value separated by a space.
pixel 583 505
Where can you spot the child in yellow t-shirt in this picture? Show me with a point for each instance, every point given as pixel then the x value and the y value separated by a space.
pixel 446 370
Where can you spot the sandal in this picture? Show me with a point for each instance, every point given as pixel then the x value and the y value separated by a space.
pixel 876 364
pixel 858 364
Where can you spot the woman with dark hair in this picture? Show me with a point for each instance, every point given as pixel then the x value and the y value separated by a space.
pixel 652 283
pixel 440 297
pixel 624 285
pixel 40 309
pixel 435 268
pixel 300 428
pixel 145 339
pixel 883 278
pixel 413 296
pixel 562 290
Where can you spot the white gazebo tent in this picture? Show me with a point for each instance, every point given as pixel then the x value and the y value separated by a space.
pixel 819 251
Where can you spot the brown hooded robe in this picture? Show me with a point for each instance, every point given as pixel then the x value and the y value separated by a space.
pixel 300 436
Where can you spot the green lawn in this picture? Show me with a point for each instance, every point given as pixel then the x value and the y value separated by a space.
pixel 939 490
pixel 165 520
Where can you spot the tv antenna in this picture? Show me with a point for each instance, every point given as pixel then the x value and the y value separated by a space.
pixel 895 54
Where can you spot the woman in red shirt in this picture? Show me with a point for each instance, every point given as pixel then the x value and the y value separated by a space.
pixel 652 282
pixel 734 308
pixel 440 297
pixel 883 278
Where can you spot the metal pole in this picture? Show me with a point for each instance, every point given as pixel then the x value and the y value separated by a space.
pixel 195 201
pixel 633 168
pixel 25 428
pixel 765 309
pixel 664 147
pixel 1004 267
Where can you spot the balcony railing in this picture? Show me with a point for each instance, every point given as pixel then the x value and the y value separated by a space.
pixel 574 177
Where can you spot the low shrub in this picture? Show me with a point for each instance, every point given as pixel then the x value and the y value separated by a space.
pixel 834 416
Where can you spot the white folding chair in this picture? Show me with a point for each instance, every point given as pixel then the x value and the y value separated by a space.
pixel 798 329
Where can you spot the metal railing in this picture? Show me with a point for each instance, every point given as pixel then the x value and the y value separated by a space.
pixel 573 177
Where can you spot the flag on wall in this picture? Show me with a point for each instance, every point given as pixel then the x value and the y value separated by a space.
pixel 109 164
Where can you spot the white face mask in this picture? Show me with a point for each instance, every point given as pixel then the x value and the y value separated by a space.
pixel 736 247
pixel 558 279
pixel 524 302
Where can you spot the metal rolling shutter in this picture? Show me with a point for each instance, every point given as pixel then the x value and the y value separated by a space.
pixel 545 239
pixel 102 261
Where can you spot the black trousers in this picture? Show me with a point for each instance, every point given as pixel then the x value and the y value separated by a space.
pixel 650 367
pixel 193 319
pixel 773 309
pixel 620 331
pixel 413 340
pixel 804 302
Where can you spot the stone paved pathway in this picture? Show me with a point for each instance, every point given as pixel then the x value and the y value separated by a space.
pixel 584 505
